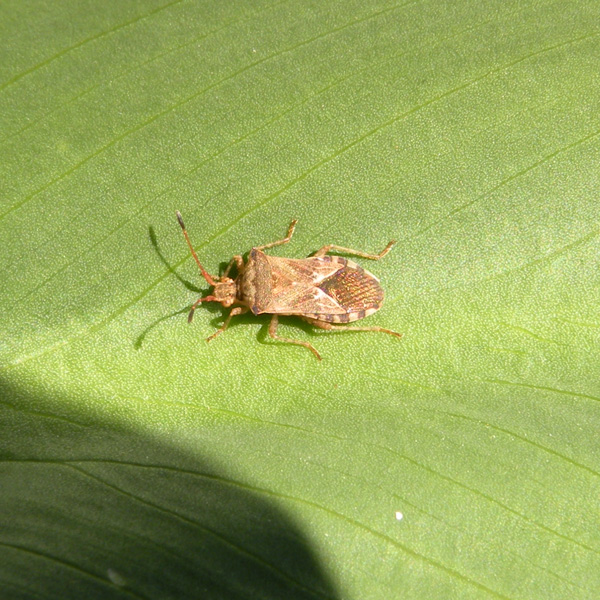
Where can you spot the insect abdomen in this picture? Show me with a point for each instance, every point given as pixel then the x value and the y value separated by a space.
pixel 343 318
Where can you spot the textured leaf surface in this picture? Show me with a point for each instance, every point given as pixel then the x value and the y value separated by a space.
pixel 460 462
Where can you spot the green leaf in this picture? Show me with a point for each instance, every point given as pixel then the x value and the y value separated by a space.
pixel 459 462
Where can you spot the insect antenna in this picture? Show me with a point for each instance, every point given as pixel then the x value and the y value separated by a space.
pixel 205 274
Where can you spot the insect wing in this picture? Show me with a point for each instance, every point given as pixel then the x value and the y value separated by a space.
pixel 323 287
pixel 294 286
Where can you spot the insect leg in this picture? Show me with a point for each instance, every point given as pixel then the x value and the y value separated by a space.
pixel 329 326
pixel 238 310
pixel 207 299
pixel 239 261
pixel 273 333
pixel 285 240
pixel 326 249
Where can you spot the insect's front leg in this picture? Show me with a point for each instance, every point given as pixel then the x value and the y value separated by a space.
pixel 195 305
pixel 328 326
pixel 238 261
pixel 238 310
pixel 273 333
pixel 326 249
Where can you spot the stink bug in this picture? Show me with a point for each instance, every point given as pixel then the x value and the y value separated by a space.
pixel 320 289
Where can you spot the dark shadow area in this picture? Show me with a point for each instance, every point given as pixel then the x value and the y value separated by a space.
pixel 140 339
pixel 93 510
pixel 188 284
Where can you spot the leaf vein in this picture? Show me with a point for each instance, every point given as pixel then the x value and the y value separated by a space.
pixel 85 41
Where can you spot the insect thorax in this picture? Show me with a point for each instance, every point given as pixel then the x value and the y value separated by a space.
pixel 255 284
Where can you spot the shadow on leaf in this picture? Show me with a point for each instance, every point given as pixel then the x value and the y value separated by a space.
pixel 94 510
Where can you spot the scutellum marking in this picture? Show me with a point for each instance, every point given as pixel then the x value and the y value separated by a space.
pixel 320 289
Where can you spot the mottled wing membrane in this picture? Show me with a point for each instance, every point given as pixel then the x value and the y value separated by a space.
pixel 353 288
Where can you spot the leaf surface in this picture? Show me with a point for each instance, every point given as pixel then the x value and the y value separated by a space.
pixel 459 462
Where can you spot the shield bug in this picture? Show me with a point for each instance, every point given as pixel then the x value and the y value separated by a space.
pixel 321 289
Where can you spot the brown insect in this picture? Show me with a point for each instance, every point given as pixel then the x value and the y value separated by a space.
pixel 320 289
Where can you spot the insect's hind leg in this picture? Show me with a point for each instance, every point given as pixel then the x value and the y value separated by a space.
pixel 285 240
pixel 326 249
pixel 328 326
pixel 273 333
